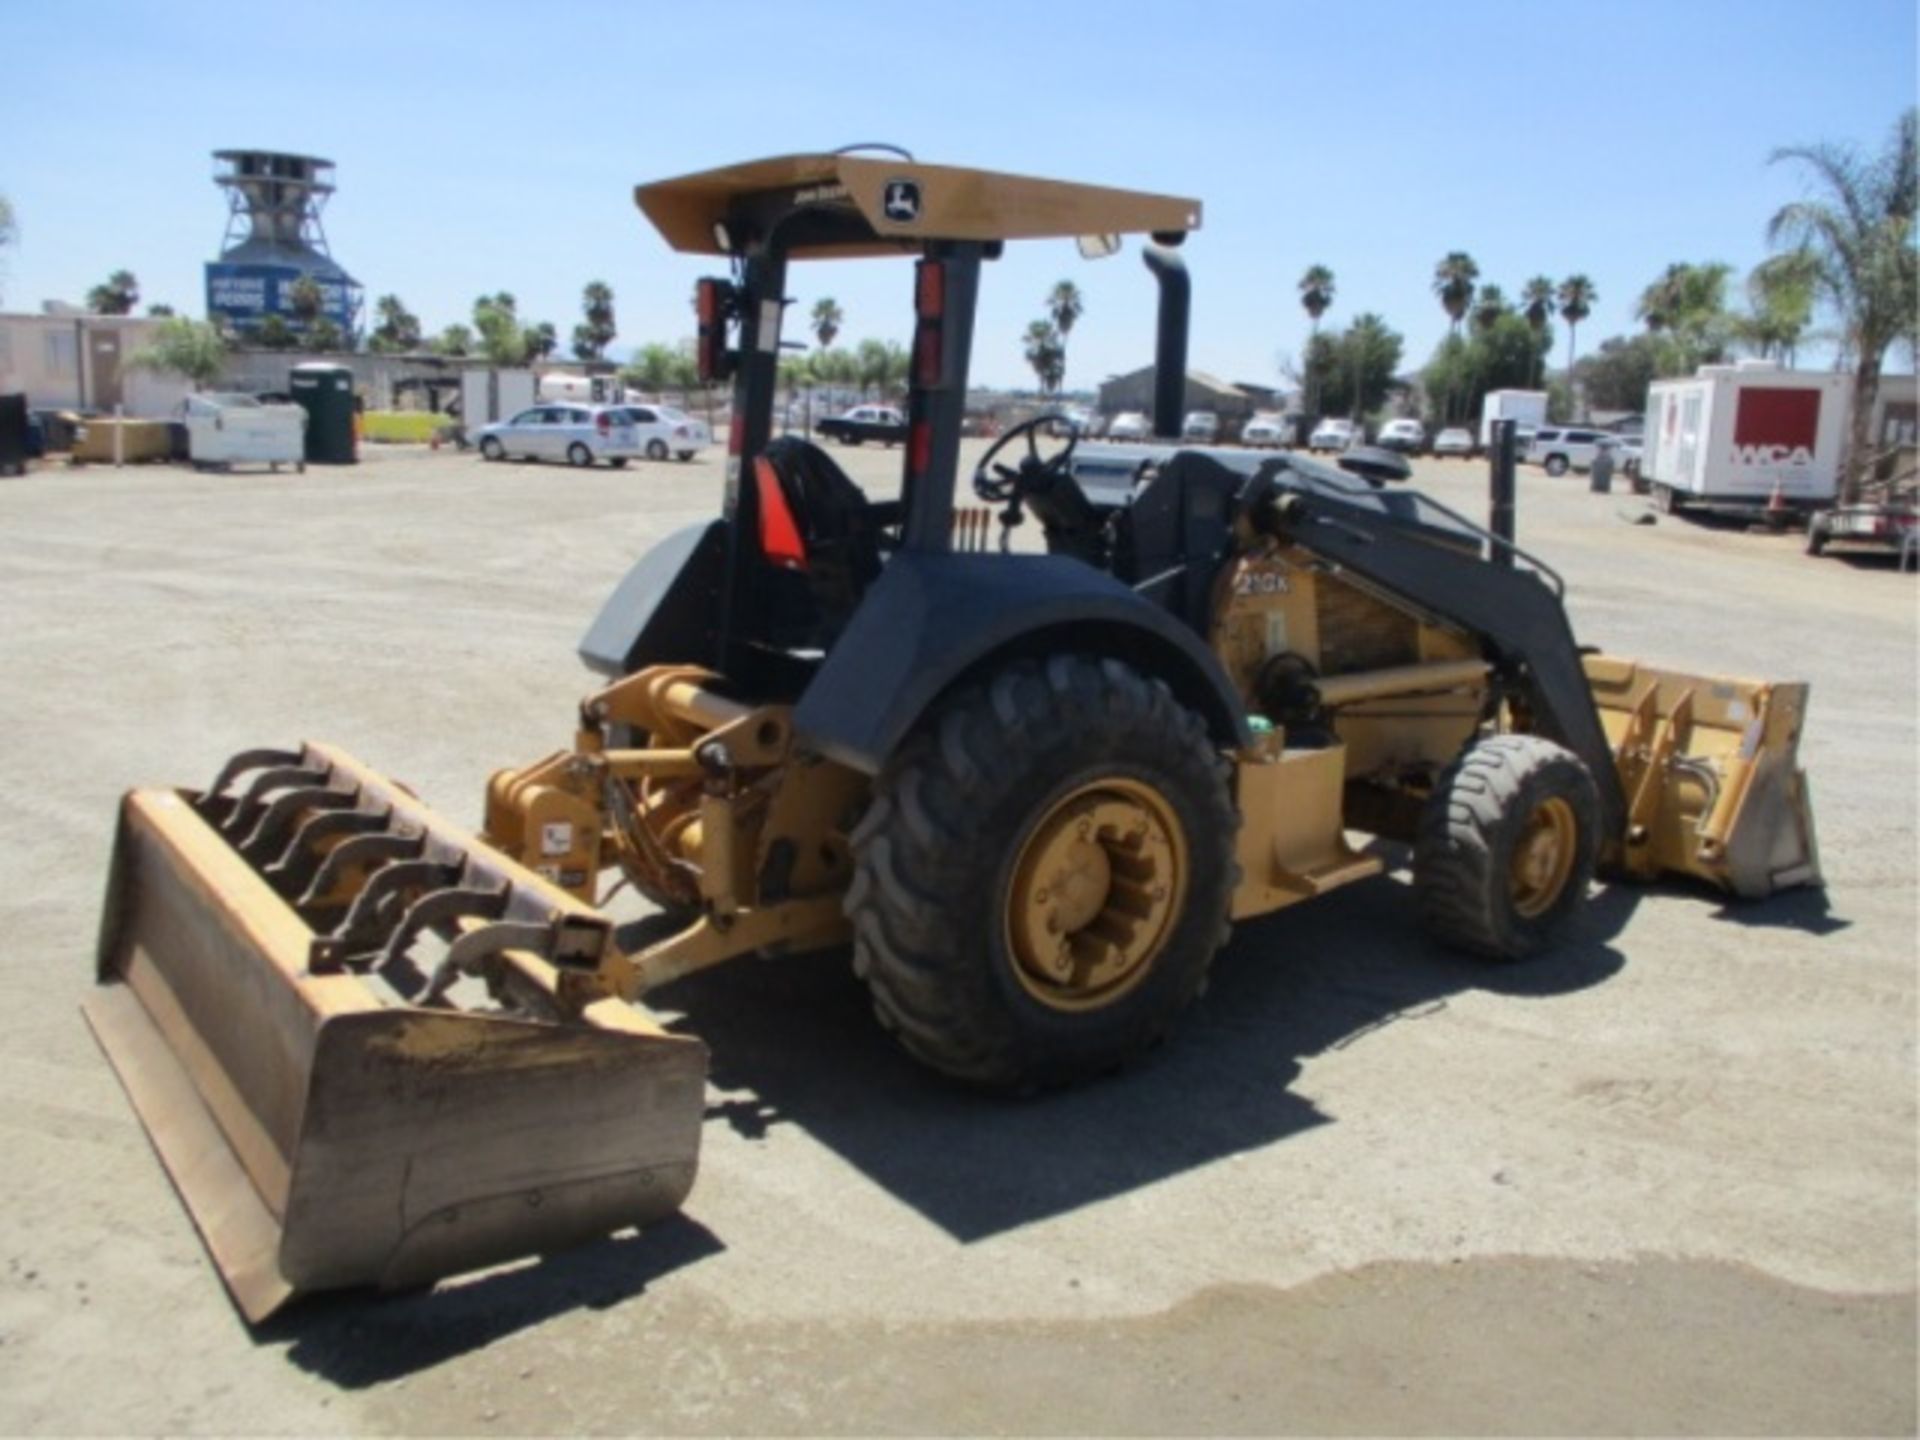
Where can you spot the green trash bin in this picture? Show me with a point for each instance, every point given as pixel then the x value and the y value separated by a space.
pixel 326 392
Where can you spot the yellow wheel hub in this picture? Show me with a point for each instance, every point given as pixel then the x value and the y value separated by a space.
pixel 1543 859
pixel 1097 886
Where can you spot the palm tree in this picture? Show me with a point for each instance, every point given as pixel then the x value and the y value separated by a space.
pixel 1861 237
pixel 455 341
pixel 827 321
pixel 1781 290
pixel 1316 298
pixel 596 304
pixel 1453 282
pixel 399 328
pixel 117 296
pixel 1536 303
pixel 1045 354
pixel 1576 296
pixel 542 340
pixel 9 228
pixel 1659 300
pixel 1065 306
pixel 1488 307
pixel 304 300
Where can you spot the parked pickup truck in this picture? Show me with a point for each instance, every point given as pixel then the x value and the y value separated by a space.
pixel 866 422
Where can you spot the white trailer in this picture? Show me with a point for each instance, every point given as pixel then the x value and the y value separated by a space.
pixel 490 395
pixel 1746 436
pixel 1526 408
pixel 582 389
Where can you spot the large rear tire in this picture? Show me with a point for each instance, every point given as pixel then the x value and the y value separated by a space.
pixel 1506 847
pixel 1044 875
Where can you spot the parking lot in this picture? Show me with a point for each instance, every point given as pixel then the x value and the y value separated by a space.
pixel 1662 1180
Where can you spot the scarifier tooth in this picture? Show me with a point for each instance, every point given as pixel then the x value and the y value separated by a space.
pixel 239 765
pixel 439 907
pixel 374 912
pixel 247 804
pixel 268 836
pixel 295 867
pixel 366 850
pixel 470 951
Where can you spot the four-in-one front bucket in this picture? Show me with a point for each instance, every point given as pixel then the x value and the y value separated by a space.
pixel 349 1030
pixel 1710 767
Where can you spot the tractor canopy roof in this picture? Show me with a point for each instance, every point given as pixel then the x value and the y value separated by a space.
pixel 836 205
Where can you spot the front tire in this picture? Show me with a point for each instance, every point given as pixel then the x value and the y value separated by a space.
pixel 1506 847
pixel 1556 465
pixel 492 449
pixel 1044 875
pixel 1816 536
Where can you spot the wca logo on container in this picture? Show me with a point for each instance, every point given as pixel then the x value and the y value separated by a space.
pixel 1775 425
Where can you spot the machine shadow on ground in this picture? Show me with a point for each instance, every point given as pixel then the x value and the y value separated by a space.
pixel 356 1338
pixel 794 1042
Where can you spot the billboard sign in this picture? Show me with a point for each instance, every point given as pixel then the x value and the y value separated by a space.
pixel 244 295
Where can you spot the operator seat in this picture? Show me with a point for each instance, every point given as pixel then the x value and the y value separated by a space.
pixel 840 529
pixel 1176 533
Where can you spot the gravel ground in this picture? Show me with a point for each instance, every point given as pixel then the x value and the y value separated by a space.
pixel 1662 1181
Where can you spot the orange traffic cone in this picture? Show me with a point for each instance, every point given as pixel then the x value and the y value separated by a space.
pixel 1777 502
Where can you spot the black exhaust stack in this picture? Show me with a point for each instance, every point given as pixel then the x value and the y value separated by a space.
pixel 1170 345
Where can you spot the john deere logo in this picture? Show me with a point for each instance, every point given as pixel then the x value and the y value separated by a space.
pixel 901 202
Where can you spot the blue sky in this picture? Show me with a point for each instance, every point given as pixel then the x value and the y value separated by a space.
pixel 490 146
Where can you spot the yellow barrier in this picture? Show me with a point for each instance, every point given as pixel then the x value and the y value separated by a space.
pixel 402 427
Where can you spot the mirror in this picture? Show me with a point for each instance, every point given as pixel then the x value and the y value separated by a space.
pixel 1376 467
pixel 1098 247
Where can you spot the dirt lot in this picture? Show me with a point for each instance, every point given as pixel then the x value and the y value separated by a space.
pixel 1663 1181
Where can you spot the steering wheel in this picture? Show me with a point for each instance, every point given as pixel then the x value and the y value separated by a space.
pixel 1004 482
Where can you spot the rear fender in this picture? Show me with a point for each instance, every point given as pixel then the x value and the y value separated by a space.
pixel 931 621
pixel 667 608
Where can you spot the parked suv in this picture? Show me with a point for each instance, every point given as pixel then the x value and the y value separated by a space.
pixel 577 434
pixel 1335 435
pixel 1265 432
pixel 1201 425
pixel 1560 450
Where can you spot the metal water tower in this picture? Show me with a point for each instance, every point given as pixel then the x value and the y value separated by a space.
pixel 274 239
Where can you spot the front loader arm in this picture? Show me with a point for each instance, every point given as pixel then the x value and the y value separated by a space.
pixel 1518 619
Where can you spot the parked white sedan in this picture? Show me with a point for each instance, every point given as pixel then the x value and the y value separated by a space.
pixel 577 434
pixel 662 430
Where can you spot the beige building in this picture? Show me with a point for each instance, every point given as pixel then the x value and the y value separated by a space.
pixel 70 360
pixel 1134 391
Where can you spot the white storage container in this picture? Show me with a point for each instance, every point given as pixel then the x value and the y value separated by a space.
pixel 1747 435
pixel 227 430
